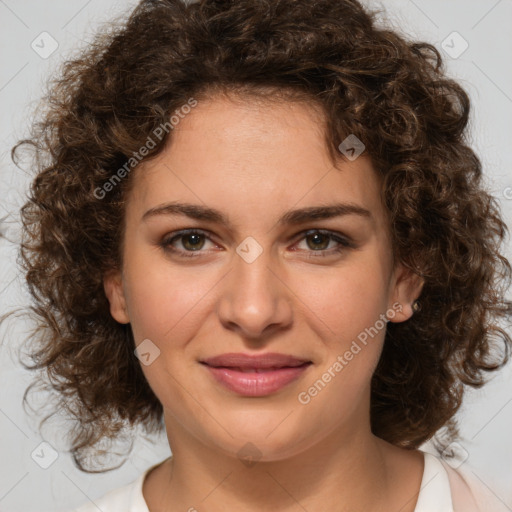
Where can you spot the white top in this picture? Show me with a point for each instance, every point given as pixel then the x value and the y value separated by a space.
pixel 434 496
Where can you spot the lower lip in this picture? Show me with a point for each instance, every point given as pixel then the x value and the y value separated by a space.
pixel 256 384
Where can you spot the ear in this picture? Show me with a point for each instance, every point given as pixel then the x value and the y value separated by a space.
pixel 113 286
pixel 406 289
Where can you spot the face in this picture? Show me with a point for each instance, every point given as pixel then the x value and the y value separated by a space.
pixel 253 278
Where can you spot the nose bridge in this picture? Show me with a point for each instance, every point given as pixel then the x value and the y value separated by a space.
pixel 254 297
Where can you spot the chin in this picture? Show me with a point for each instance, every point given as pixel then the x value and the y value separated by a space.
pixel 264 444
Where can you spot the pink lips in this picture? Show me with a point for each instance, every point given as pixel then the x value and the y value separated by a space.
pixel 255 375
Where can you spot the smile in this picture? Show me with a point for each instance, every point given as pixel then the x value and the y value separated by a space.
pixel 256 381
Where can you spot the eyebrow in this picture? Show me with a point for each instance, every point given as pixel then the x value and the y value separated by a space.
pixel 291 217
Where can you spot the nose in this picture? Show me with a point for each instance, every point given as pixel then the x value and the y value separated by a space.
pixel 255 300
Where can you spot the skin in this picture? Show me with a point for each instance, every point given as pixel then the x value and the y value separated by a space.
pixel 254 161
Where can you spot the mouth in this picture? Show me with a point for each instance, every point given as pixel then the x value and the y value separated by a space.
pixel 270 360
pixel 256 370
pixel 255 375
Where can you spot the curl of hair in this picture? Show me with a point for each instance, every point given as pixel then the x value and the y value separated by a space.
pixel 365 80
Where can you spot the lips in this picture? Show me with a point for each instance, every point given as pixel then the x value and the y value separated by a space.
pixel 255 376
pixel 244 362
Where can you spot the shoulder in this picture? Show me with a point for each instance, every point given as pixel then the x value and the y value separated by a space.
pixel 128 498
pixel 470 493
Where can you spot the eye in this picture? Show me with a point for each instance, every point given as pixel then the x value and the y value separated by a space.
pixel 317 241
pixel 193 240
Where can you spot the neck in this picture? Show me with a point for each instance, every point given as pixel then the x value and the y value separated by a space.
pixel 340 473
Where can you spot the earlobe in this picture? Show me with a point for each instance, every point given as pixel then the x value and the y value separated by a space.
pixel 113 286
pixel 407 289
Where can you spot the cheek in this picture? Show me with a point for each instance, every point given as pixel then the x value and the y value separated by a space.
pixel 350 305
pixel 344 309
pixel 162 298
pixel 345 300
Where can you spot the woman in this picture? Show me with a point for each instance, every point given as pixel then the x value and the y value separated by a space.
pixel 261 228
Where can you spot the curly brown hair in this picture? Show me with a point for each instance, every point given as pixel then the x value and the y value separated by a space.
pixel 393 94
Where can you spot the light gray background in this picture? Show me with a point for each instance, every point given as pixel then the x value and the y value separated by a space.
pixel 484 69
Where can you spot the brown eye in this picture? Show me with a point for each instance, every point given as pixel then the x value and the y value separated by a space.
pixel 193 241
pixel 319 241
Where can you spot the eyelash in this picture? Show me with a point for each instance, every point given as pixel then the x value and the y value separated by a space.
pixel 167 242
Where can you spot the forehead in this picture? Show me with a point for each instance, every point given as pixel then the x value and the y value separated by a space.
pixel 253 159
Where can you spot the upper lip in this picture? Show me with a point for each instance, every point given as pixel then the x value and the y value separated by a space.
pixel 269 360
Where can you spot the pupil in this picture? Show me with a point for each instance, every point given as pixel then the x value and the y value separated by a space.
pixel 316 236
pixel 193 236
